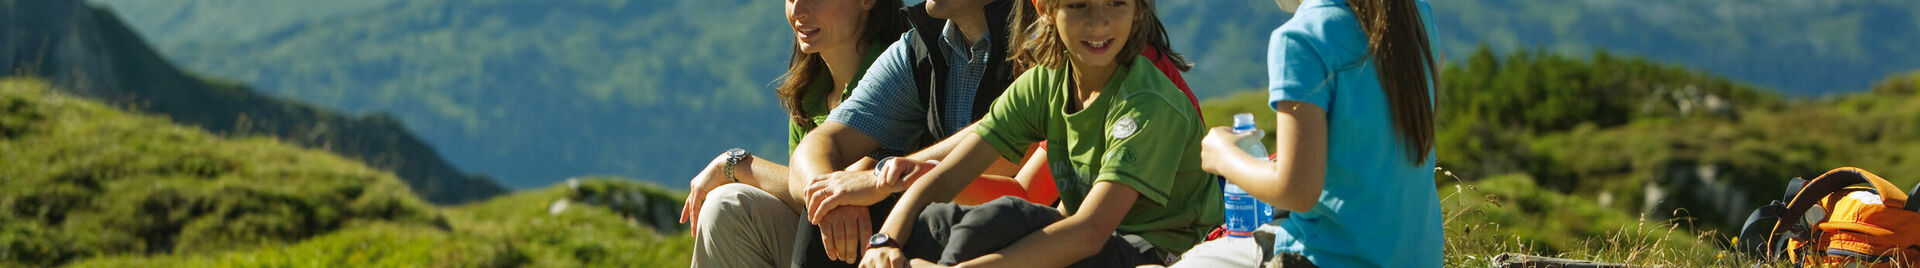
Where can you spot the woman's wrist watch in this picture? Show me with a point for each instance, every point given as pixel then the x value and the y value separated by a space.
pixel 734 156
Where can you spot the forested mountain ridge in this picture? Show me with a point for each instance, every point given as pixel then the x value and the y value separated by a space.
pixel 90 52
pixel 536 91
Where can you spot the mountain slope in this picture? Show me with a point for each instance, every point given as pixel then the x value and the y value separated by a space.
pixel 92 53
pixel 88 184
pixel 84 180
pixel 536 91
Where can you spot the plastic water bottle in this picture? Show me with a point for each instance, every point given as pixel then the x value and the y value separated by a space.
pixel 1244 213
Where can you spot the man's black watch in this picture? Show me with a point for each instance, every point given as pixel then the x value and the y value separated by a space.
pixel 882 240
pixel 734 156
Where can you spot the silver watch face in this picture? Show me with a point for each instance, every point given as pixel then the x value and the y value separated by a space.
pixel 878 238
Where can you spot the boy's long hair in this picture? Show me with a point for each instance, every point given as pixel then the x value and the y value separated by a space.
pixel 884 22
pixel 1035 42
pixel 1397 42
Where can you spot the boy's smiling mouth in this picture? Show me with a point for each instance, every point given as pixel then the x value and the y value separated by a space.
pixel 1099 46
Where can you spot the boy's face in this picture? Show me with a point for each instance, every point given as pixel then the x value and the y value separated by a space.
pixel 1095 30
pixel 949 9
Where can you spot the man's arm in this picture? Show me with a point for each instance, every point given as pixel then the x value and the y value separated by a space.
pixel 823 151
pixel 881 107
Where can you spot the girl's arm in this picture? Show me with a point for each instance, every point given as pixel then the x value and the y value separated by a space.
pixel 941 184
pixel 1293 182
pixel 1069 240
pixel 945 146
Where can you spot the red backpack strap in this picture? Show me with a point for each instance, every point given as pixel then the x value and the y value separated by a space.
pixel 1173 73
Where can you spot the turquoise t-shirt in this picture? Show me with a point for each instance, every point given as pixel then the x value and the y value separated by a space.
pixel 1378 209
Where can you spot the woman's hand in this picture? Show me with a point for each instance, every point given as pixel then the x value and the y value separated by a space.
pixel 712 177
pixel 1220 143
pixel 844 232
pixel 884 257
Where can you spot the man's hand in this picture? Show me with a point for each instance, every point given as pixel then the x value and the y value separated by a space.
pixel 886 257
pixel 845 231
pixel 842 188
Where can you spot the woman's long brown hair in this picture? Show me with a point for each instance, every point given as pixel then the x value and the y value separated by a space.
pixel 1397 42
pixel 884 22
pixel 1036 43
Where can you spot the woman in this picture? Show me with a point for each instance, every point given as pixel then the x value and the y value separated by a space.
pixel 1124 147
pixel 1352 86
pixel 749 225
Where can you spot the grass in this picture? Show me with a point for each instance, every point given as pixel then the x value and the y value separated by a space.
pixel 83 179
pixel 1509 214
pixel 86 184
pixel 516 230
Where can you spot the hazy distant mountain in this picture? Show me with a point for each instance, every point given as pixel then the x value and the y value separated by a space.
pixel 94 54
pixel 533 91
pixel 1800 48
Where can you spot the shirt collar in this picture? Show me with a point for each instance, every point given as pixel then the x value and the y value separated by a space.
pixel 953 36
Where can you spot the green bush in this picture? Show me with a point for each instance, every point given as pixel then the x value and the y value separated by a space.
pixel 83 179
pixel 514 230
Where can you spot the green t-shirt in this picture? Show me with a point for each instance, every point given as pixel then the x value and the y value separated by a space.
pixel 815 100
pixel 1140 132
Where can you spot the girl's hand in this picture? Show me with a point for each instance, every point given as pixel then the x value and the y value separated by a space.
pixel 1221 142
pixel 698 187
pixel 885 257
pixel 899 172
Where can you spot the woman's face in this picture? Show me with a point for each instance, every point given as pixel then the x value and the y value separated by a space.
pixel 1095 30
pixel 820 25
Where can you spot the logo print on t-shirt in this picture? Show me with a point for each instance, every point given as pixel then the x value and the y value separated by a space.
pixel 1124 128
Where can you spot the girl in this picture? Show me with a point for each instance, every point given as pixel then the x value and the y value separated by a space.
pixel 1352 86
pixel 1123 149
pixel 750 226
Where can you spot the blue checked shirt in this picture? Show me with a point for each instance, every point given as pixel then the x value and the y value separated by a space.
pixel 886 105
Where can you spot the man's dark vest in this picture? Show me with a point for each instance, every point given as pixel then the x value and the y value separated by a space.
pixel 930 67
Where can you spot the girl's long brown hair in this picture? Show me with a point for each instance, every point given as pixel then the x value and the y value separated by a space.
pixel 1397 42
pixel 1036 43
pixel 884 22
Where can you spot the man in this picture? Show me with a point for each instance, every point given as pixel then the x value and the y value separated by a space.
pixel 937 80
pixel 957 54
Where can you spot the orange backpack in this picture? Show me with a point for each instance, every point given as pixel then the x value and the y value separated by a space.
pixel 1835 220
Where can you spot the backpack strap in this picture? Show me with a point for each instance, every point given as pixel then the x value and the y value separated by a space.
pixel 1755 232
pixel 929 67
pixel 1913 204
pixel 1793 187
pixel 998 74
pixel 1818 189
